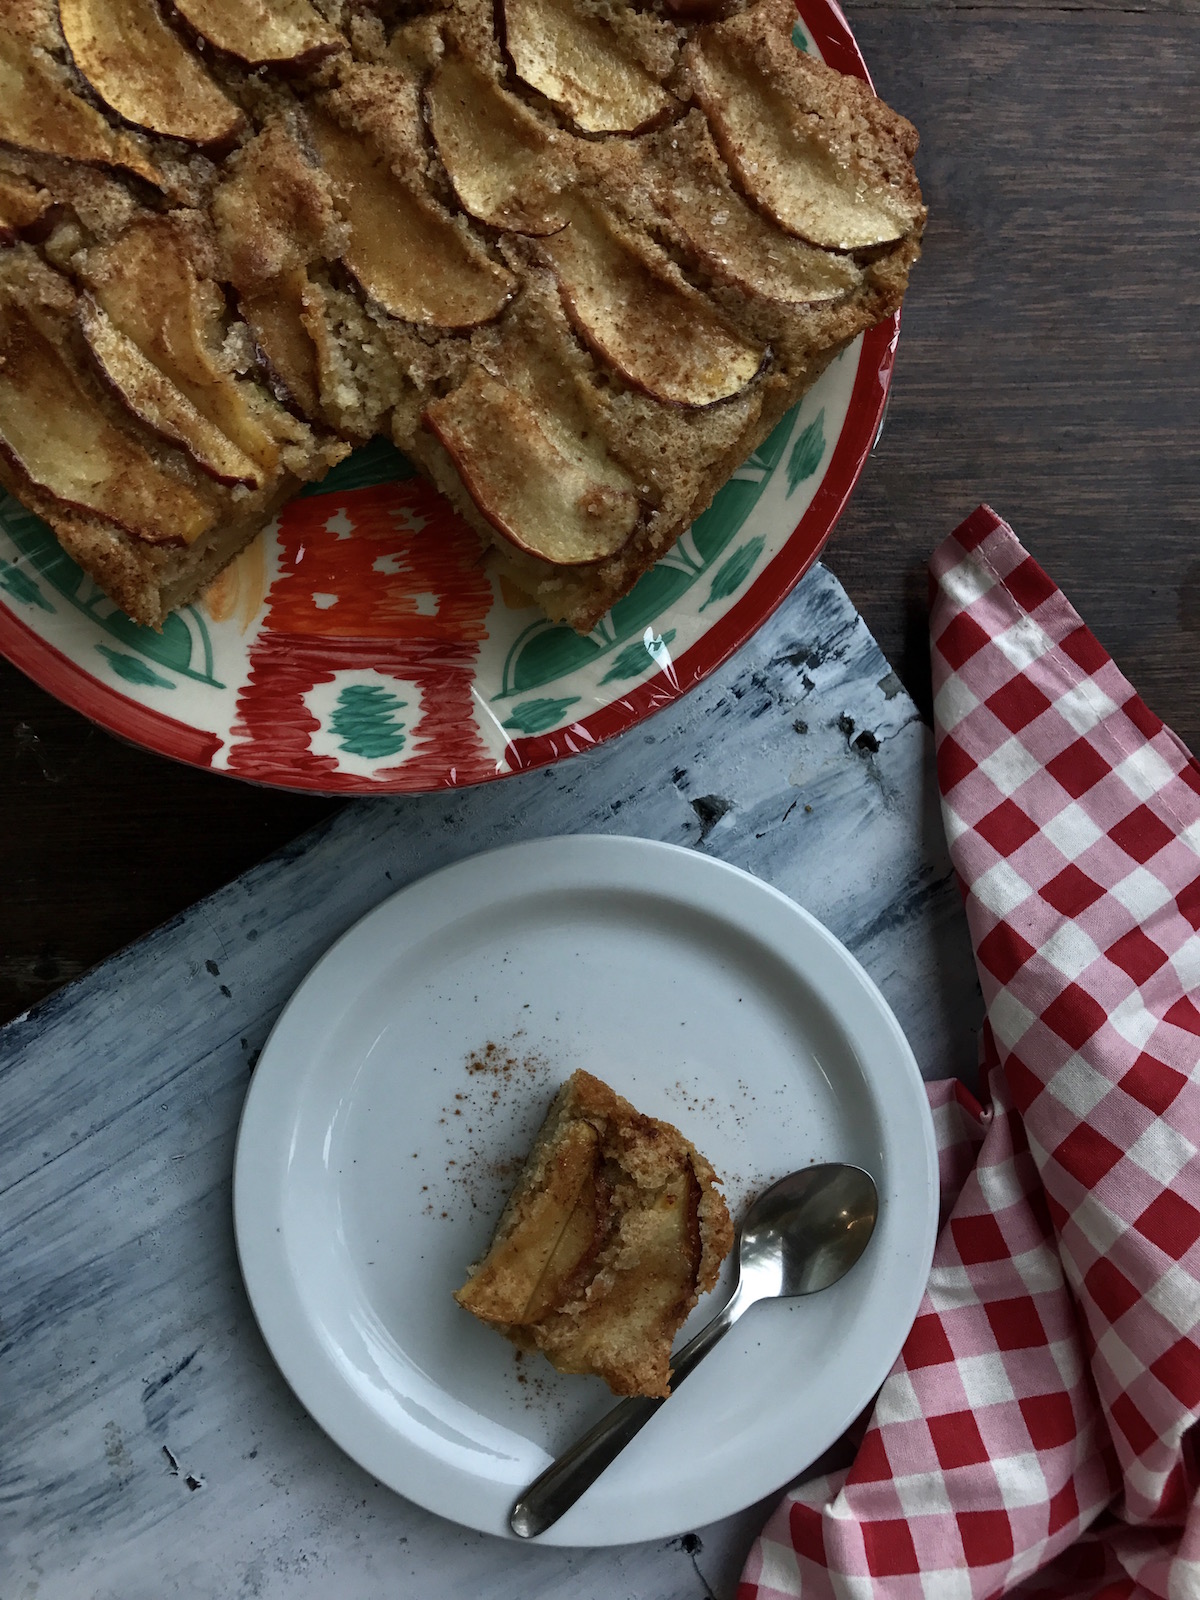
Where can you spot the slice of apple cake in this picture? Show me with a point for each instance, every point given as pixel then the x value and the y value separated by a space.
pixel 575 257
pixel 614 1230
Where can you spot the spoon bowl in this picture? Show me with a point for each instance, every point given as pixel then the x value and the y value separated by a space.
pixel 806 1231
pixel 797 1237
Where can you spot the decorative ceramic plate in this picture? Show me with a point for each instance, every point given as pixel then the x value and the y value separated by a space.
pixel 359 646
pixel 402 1086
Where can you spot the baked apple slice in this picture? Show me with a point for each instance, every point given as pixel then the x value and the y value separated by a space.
pixel 779 151
pixel 143 70
pixel 629 302
pixel 149 290
pixel 264 33
pixel 275 317
pixel 53 429
pixel 526 1269
pixel 497 154
pixel 580 65
pixel 734 241
pixel 406 251
pixel 39 113
pixel 533 494
pixel 156 401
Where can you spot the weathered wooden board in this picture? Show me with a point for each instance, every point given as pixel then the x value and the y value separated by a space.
pixel 148 1446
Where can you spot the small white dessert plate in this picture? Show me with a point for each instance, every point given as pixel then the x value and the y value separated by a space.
pixel 403 1084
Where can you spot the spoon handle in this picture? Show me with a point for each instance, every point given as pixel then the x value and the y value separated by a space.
pixel 564 1480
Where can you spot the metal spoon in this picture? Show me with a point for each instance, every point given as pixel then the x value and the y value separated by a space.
pixel 799 1236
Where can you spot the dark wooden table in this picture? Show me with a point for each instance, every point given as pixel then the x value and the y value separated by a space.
pixel 1050 364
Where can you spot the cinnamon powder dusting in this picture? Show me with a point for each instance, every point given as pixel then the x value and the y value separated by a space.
pixel 488 1124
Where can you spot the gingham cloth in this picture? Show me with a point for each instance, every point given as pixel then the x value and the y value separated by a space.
pixel 1036 1434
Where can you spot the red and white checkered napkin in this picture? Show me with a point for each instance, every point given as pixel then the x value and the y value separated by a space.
pixel 1037 1433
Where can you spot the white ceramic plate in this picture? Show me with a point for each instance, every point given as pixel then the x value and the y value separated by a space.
pixel 379 1138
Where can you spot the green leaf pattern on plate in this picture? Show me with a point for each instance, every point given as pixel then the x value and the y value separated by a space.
pixel 734 572
pixel 799 37
pixel 545 651
pixel 133 669
pixel 806 453
pixel 536 716
pixel 636 658
pixel 22 587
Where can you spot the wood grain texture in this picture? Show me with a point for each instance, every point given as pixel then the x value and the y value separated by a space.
pixel 101 841
pixel 1048 364
pixel 151 1449
pixel 1050 356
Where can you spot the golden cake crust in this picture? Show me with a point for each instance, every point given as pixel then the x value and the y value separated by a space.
pixel 613 1231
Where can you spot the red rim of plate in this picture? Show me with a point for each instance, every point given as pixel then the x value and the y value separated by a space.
pixel 129 719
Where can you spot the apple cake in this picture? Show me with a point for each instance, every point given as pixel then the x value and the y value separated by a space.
pixel 575 257
pixel 613 1231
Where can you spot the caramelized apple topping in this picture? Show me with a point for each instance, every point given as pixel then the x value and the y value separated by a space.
pixel 39 113
pixel 264 33
pixel 766 110
pixel 501 159
pixel 146 284
pixel 531 491
pixel 275 316
pixel 579 64
pixel 143 70
pixel 157 402
pixel 405 249
pixel 526 1272
pixel 630 303
pixel 54 428
pixel 735 242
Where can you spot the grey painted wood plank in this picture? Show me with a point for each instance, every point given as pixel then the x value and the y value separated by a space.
pixel 127 1343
